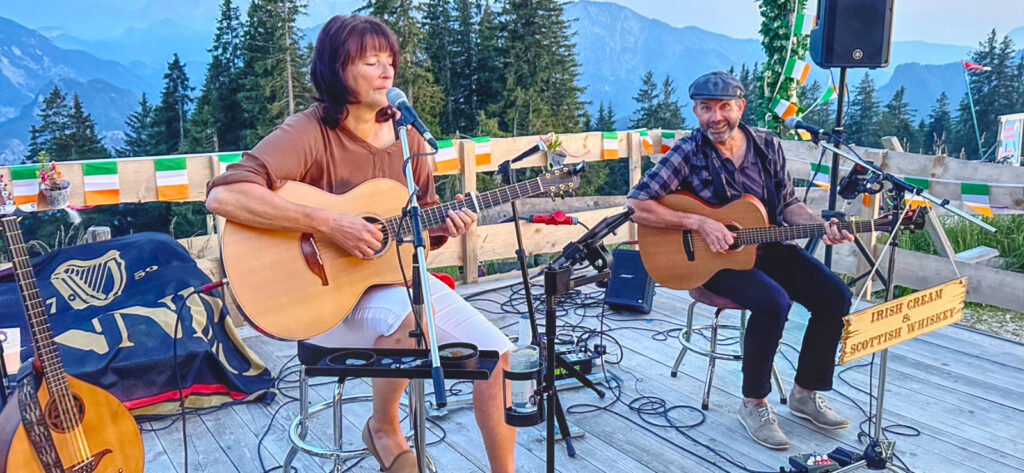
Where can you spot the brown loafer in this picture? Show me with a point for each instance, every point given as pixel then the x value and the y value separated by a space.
pixel 404 462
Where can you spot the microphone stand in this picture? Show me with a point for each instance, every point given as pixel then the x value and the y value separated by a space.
pixel 555 407
pixel 422 310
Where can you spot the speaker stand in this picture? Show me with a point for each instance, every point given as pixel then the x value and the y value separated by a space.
pixel 833 180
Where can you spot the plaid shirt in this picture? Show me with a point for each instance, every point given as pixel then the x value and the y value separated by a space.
pixel 695 165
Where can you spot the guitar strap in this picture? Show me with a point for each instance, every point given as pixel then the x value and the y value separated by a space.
pixel 34 420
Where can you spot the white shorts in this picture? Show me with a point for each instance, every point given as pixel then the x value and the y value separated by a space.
pixel 382 309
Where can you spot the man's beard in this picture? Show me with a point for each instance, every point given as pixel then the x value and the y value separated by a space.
pixel 721 135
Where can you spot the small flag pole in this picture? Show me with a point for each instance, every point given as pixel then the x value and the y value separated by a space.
pixel 970 100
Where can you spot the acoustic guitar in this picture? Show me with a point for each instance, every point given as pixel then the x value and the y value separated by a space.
pixel 681 259
pixel 295 286
pixel 91 430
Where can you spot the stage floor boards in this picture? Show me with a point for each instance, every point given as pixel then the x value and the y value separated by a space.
pixel 963 390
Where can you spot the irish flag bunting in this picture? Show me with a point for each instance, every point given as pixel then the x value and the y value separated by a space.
pixel 25 183
pixel 802 24
pixel 483 150
pixel 916 200
pixel 975 196
pixel 171 178
pixel 228 158
pixel 821 177
pixel 101 183
pixel 784 108
pixel 610 145
pixel 446 159
pixel 645 141
pixel 797 69
pixel 668 140
pixel 829 94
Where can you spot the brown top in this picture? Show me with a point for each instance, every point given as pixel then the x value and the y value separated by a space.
pixel 302 149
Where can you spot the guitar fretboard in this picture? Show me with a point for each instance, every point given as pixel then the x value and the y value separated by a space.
pixel 42 337
pixel 753 236
pixel 435 215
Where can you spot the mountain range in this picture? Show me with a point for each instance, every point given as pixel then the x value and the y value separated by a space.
pixel 615 47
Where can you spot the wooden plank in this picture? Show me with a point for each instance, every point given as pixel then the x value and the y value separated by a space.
pixel 984 284
pixel 470 241
pixel 156 457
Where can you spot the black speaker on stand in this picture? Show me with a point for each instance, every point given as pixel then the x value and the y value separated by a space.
pixel 849 33
pixel 629 287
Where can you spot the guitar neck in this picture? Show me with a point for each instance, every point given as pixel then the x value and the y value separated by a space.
pixel 434 216
pixel 42 337
pixel 753 236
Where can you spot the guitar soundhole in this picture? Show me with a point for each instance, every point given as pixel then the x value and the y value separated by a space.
pixel 56 418
pixel 383 229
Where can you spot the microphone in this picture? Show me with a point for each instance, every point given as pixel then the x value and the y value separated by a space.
pixel 555 218
pixel 794 123
pixel 397 99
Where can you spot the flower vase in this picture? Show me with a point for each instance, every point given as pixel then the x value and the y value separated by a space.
pixel 58 198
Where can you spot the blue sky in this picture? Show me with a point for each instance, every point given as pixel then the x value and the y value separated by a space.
pixel 963 22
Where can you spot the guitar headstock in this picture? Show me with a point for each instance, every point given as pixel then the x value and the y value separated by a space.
pixel 562 181
pixel 7 206
pixel 913 219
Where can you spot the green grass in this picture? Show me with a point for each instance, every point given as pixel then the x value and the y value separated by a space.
pixel 964 235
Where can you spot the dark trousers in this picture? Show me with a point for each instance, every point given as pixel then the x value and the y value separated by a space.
pixel 784 274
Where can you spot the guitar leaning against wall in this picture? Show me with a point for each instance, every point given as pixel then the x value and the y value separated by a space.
pixel 78 427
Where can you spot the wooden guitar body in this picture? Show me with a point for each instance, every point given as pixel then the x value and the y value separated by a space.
pixel 669 261
pixel 109 442
pixel 274 285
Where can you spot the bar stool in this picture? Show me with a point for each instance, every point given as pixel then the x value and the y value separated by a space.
pixel 721 304
pixel 310 355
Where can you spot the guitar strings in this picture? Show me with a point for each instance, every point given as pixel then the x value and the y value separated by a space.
pixel 61 396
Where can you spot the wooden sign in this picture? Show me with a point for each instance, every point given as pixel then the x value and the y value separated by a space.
pixel 884 325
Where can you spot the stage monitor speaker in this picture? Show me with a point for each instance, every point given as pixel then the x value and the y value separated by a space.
pixel 629 287
pixel 852 33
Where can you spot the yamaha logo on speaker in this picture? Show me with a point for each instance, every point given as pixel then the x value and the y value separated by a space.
pixel 858 53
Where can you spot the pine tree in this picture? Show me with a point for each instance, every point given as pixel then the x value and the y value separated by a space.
pixel 669 114
pixel 54 125
pixel 139 125
pixel 605 118
pixel 490 60
pixel 752 114
pixel 776 34
pixel 171 114
pixel 414 76
pixel 896 120
pixel 645 115
pixel 82 140
pixel 275 66
pixel 938 126
pixel 439 45
pixel 541 90
pixel 862 124
pixel 998 91
pixel 216 123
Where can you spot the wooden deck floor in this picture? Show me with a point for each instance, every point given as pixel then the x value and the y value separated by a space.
pixel 963 390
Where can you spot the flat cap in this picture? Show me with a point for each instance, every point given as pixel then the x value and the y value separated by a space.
pixel 716 85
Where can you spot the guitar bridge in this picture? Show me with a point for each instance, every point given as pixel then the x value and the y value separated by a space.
pixel 688 244
pixel 90 464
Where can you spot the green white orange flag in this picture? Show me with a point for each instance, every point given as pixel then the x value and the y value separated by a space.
pixel 446 159
pixel 610 145
pixel 821 177
pixel 802 24
pixel 829 94
pixel 797 69
pixel 228 158
pixel 171 178
pixel 101 183
pixel 784 108
pixel 645 141
pixel 975 196
pixel 483 150
pixel 668 140
pixel 915 200
pixel 25 183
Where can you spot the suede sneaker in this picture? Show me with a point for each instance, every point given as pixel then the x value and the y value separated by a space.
pixel 763 425
pixel 812 406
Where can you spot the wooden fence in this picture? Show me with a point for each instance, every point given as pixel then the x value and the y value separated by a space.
pixel 488 242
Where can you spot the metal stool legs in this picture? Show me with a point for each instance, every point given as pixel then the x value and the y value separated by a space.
pixel 712 352
pixel 300 427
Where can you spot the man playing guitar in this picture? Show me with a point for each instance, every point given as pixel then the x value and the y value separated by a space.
pixel 718 163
